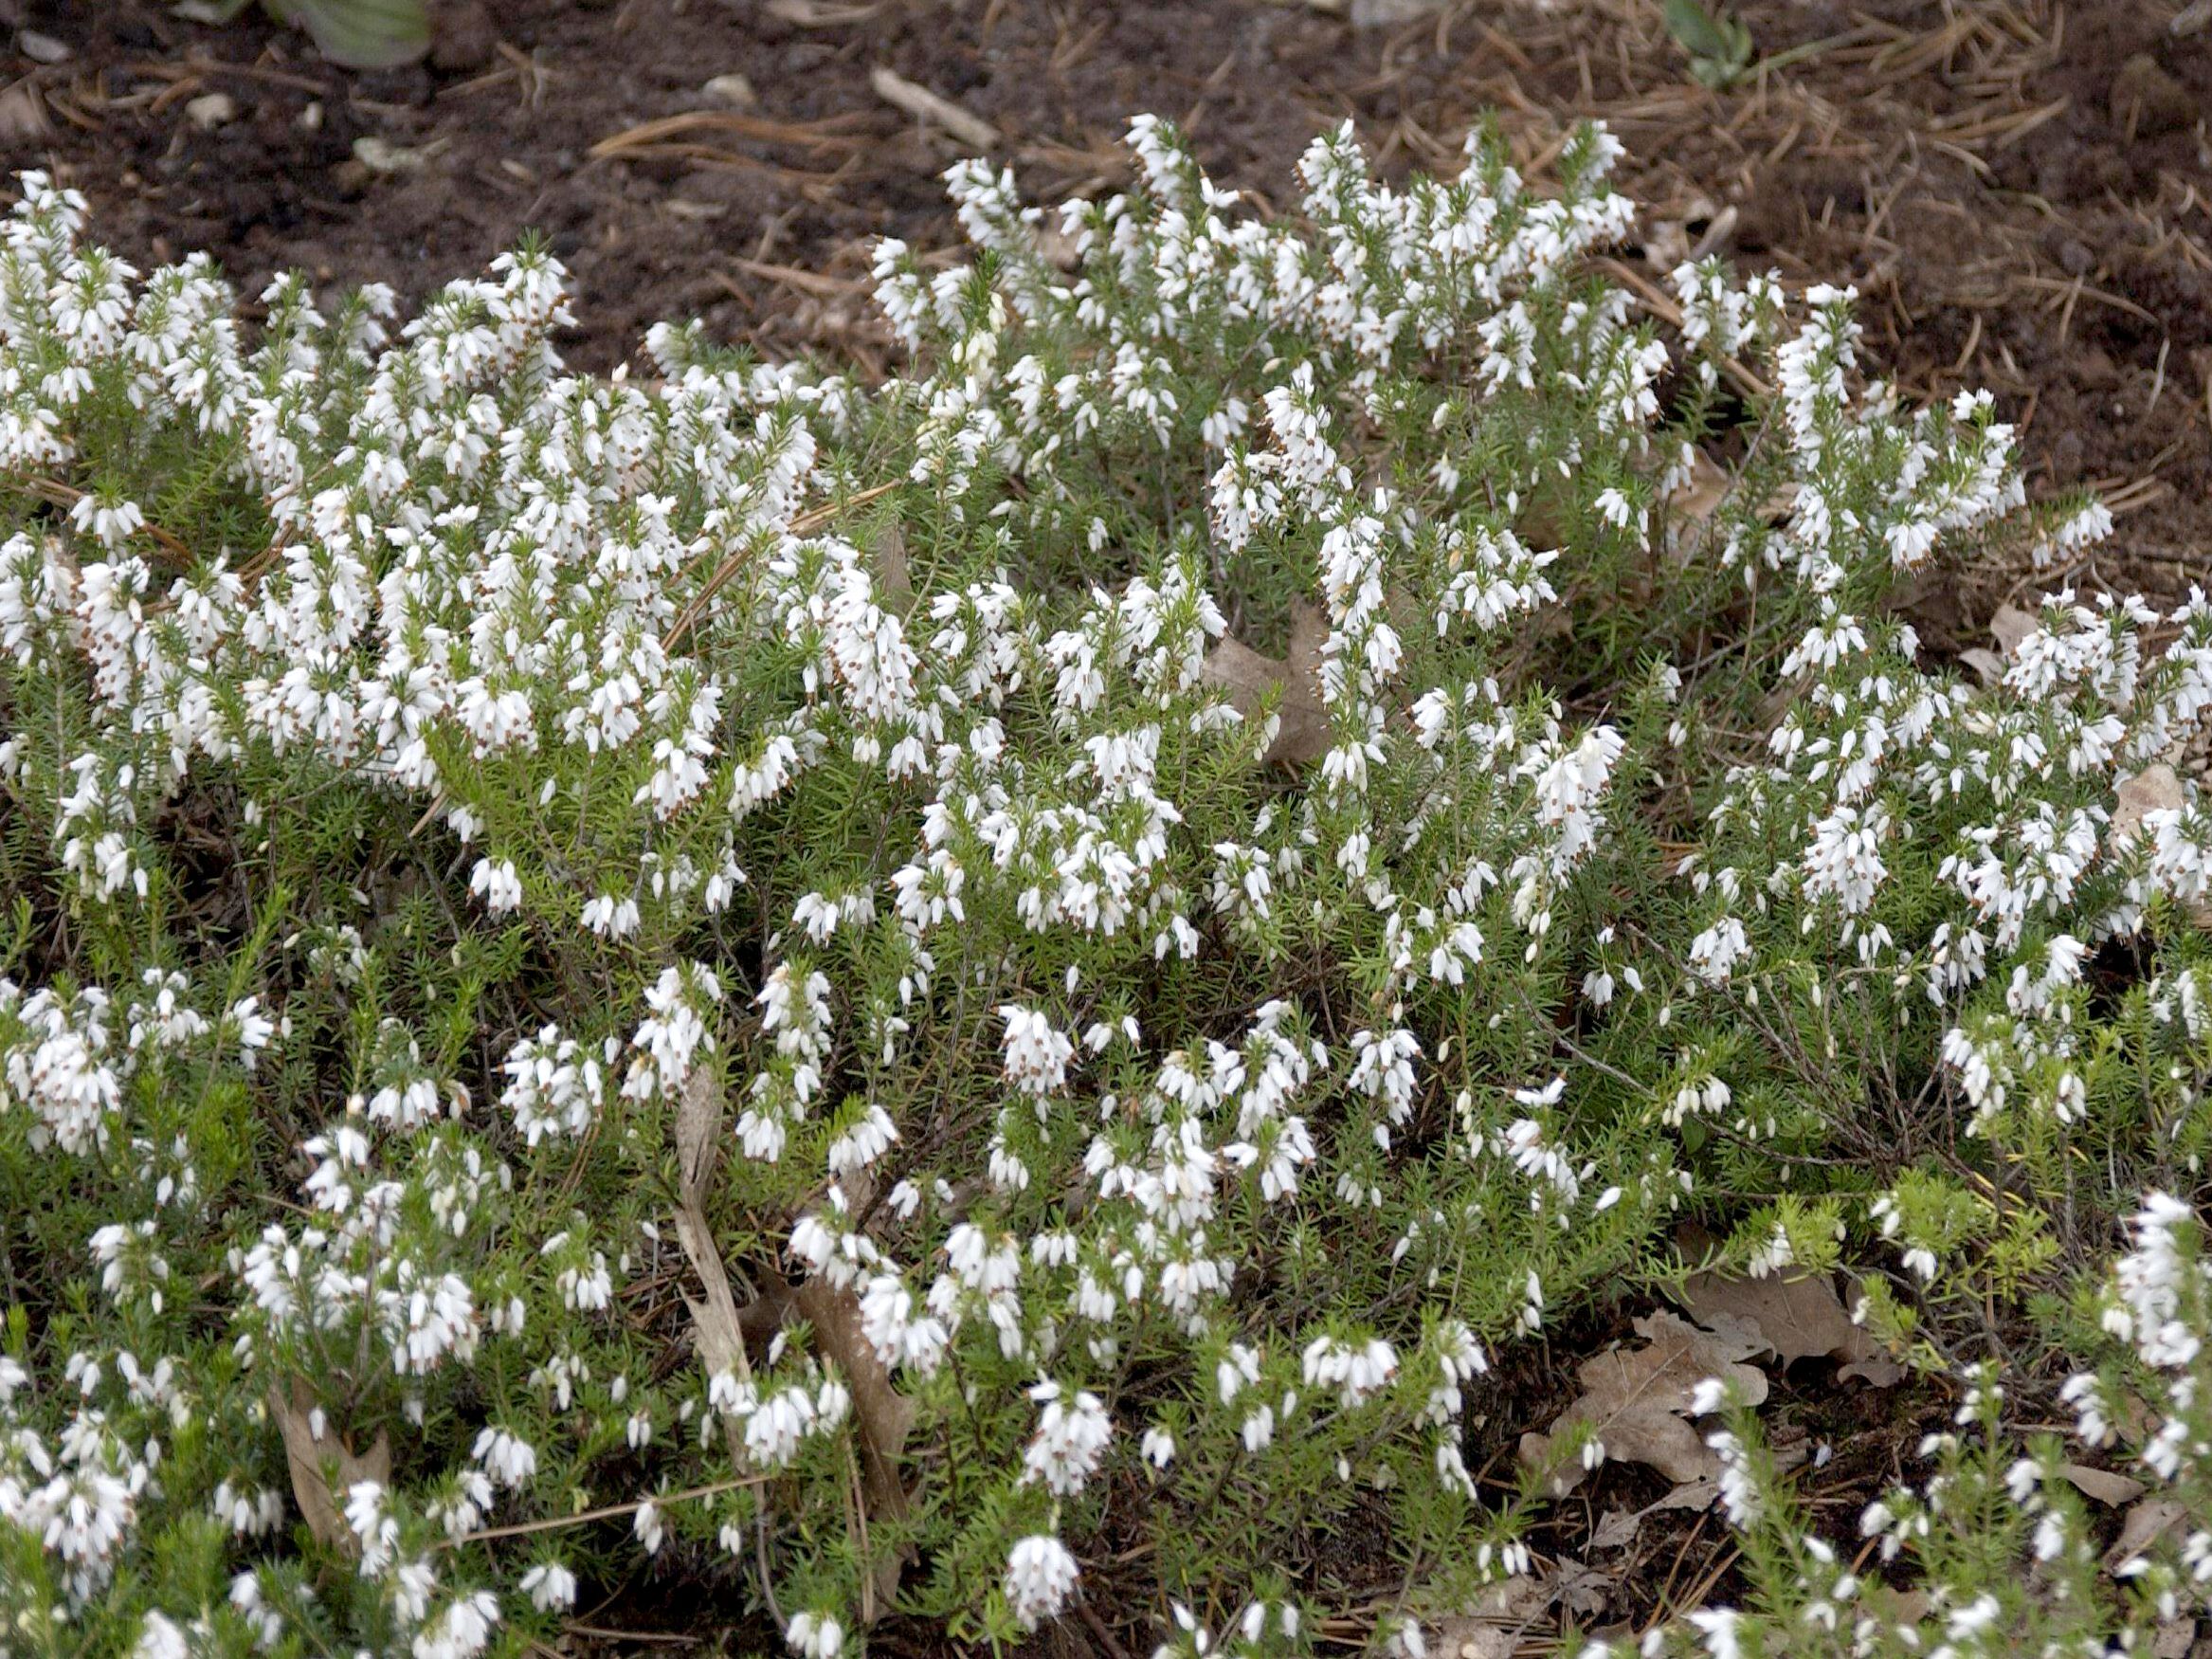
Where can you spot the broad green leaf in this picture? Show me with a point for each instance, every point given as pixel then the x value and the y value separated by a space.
pixel 1719 44
pixel 363 34
pixel 1696 29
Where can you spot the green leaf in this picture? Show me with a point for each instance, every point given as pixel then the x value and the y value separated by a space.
pixel 362 34
pixel 1719 44
pixel 1697 31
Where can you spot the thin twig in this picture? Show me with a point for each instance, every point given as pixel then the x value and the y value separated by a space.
pixel 522 1528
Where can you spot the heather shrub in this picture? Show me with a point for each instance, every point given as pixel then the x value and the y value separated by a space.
pixel 997 992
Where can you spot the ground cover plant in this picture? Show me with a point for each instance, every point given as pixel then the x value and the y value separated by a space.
pixel 992 996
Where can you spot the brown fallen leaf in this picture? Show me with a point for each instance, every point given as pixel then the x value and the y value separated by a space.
pixel 884 1414
pixel 1249 678
pixel 1581 1589
pixel 1493 1623
pixel 2145 1524
pixel 23 115
pixel 893 583
pixel 323 1469
pixel 1897 1607
pixel 2011 625
pixel 1698 497
pixel 2101 1485
pixel 1638 1402
pixel 1619 1527
pixel 1988 665
pixel 2155 788
pixel 713 1315
pixel 1800 1318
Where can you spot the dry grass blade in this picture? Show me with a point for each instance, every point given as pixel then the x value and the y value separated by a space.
pixel 925 105
pixel 648 135
pixel 1662 306
pixel 805 282
pixel 323 1470
pixel 804 524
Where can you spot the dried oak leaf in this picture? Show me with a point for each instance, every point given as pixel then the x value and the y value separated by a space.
pixel 323 1469
pixel 1801 1318
pixel 1699 496
pixel 1638 1402
pixel 1302 733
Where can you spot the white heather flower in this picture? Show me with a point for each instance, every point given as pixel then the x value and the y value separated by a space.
pixel 461 1630
pixel 552 1588
pixel 507 1458
pixel 1357 1371
pixel 1715 954
pixel 815 1635
pixel 498 884
pixel 1040 1576
pixel 1036 1053
pixel 1070 1440
pixel 160 1639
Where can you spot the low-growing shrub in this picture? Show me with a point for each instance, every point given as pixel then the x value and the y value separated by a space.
pixel 990 996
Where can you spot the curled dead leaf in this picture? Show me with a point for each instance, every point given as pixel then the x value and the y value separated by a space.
pixel 715 1322
pixel 323 1468
pixel 1250 679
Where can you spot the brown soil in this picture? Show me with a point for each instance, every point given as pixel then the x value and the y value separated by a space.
pixel 2021 189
